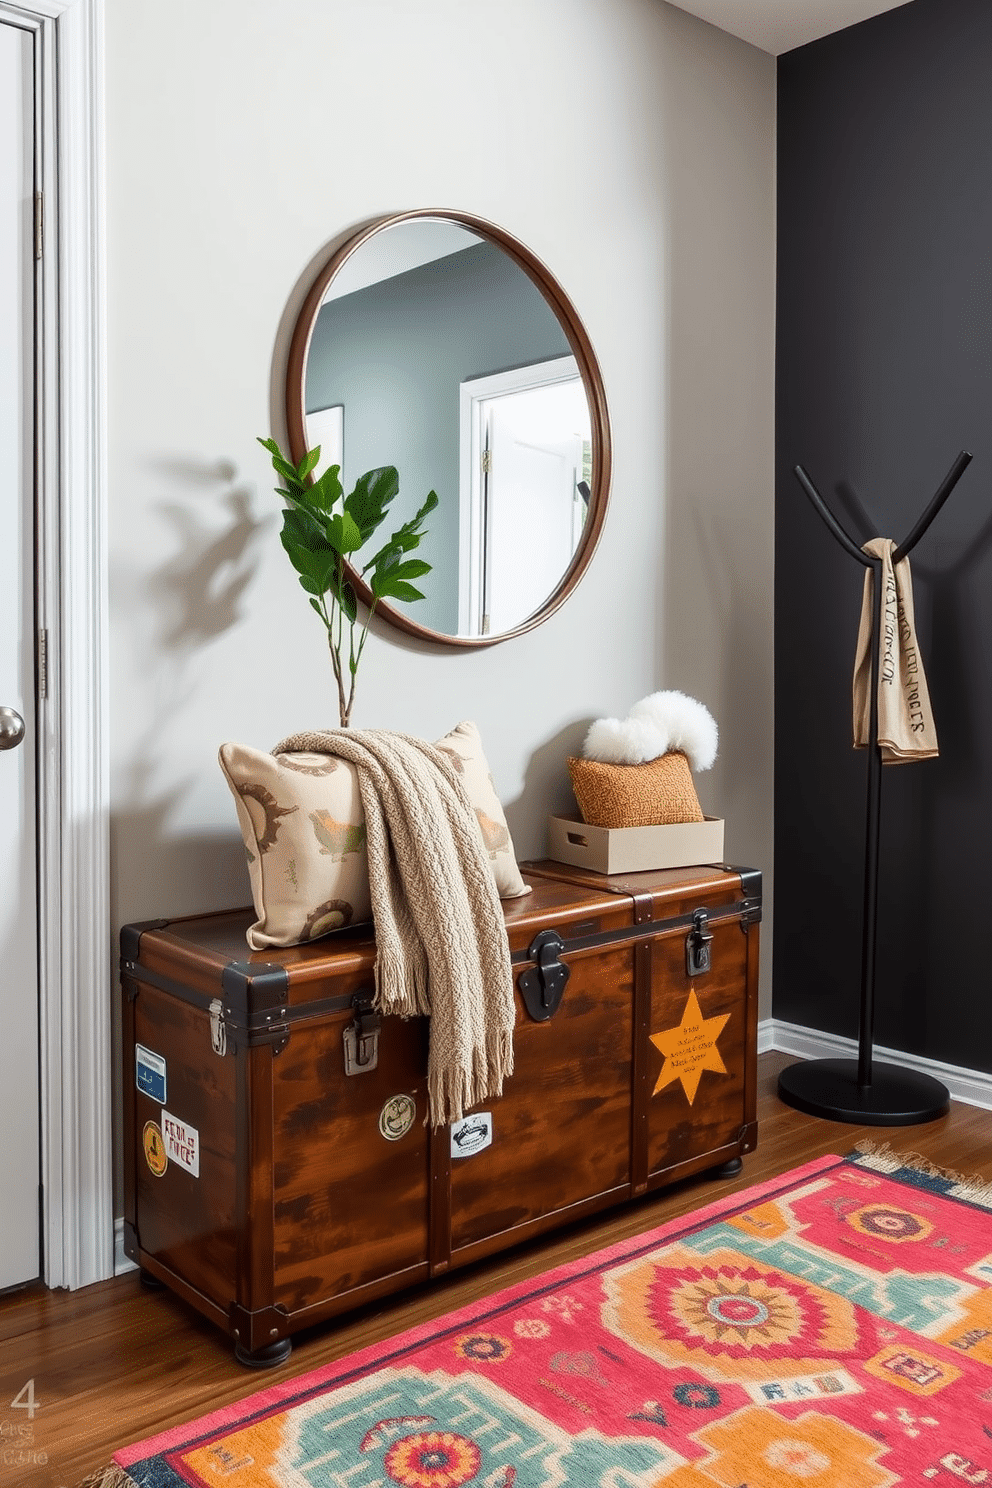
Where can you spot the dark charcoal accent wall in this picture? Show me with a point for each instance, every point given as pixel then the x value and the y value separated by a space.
pixel 884 373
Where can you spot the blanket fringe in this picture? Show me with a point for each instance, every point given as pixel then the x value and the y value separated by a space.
pixel 108 1477
pixel 975 1188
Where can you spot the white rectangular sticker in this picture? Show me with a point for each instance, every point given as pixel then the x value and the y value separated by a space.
pixel 471 1134
pixel 149 1073
pixel 182 1143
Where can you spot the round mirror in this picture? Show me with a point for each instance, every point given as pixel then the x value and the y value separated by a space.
pixel 434 342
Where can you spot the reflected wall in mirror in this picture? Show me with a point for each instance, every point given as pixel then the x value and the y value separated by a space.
pixel 443 347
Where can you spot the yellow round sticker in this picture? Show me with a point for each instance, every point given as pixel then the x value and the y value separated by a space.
pixel 155 1154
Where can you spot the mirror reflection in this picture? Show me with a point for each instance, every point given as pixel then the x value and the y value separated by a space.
pixel 434 351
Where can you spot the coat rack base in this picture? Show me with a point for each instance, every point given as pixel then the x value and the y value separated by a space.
pixel 896 1097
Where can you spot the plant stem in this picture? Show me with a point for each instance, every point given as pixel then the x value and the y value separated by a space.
pixel 343 711
pixel 334 648
pixel 361 643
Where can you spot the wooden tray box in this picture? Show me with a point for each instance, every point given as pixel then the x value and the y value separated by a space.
pixel 634 849
pixel 272 1189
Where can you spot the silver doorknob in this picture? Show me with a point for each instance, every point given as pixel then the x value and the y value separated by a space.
pixel 11 728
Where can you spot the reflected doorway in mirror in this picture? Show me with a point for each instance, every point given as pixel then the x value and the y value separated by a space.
pixel 525 460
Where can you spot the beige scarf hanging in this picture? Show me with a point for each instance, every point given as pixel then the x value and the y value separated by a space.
pixel 906 728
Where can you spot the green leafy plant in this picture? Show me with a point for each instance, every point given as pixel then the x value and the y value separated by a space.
pixel 321 530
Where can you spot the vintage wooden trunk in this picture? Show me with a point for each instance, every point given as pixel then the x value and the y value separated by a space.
pixel 278 1165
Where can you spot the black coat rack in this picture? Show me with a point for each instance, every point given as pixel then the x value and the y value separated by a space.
pixel 860 1090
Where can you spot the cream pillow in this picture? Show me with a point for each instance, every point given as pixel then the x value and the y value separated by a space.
pixel 303 826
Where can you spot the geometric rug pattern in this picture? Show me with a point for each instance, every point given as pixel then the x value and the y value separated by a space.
pixel 831 1328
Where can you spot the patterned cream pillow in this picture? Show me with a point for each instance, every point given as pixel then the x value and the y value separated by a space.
pixel 464 748
pixel 303 826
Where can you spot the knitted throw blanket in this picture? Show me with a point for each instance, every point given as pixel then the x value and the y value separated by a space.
pixel 442 948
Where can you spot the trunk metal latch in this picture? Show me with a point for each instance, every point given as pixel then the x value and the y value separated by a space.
pixel 543 986
pixel 361 1037
pixel 218 1028
pixel 698 953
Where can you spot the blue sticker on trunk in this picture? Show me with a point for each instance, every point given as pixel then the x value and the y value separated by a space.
pixel 149 1073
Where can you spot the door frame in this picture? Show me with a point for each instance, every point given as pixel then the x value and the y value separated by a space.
pixel 77 1210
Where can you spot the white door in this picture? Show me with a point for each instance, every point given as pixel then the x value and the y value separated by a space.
pixel 525 447
pixel 535 466
pixel 19 1097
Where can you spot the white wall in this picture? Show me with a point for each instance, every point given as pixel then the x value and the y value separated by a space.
pixel 632 148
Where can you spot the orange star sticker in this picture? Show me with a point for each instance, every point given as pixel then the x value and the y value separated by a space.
pixel 690 1049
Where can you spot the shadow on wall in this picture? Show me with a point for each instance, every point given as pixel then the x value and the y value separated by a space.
pixel 547 791
pixel 190 600
pixel 726 670
pixel 198 592
pixel 196 870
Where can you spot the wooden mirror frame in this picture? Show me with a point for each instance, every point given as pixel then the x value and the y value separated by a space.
pixel 592 381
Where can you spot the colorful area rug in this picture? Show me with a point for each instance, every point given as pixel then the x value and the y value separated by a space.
pixel 831 1328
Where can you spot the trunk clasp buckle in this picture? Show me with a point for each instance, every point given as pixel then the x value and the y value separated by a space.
pixel 543 986
pixel 361 1036
pixel 698 952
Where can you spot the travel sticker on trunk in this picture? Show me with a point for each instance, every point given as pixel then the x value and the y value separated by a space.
pixel 471 1134
pixel 154 1149
pixel 182 1143
pixel 149 1073
pixel 397 1116
pixel 690 1048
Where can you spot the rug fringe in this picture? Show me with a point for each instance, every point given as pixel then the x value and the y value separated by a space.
pixel 108 1477
pixel 975 1188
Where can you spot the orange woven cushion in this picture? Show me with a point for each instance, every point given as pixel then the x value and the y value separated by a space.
pixel 647 795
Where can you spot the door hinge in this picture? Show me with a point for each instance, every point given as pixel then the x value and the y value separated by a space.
pixel 39 225
pixel 43 663
pixel 487 461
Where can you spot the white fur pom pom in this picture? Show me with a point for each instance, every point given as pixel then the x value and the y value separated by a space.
pixel 689 725
pixel 628 741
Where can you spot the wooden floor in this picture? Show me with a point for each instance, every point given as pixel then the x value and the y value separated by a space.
pixel 114 1363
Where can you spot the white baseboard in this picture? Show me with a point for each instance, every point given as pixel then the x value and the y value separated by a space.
pixel 122 1263
pixel 766 1035
pixel 974 1087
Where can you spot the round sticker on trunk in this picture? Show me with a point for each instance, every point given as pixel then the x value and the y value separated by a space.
pixel 397 1116
pixel 155 1154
